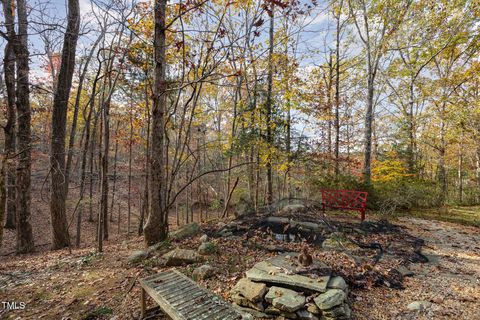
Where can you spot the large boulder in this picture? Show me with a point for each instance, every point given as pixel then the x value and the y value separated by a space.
pixel 186 231
pixel 285 299
pixel 250 290
pixel 178 257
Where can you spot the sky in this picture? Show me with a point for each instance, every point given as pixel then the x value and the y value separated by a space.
pixel 312 38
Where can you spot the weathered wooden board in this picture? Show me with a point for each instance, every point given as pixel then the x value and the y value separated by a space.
pixel 182 299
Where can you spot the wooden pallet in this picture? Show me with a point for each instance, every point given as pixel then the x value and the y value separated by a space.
pixel 182 299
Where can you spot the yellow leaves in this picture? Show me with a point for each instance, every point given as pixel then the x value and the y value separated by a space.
pixel 389 169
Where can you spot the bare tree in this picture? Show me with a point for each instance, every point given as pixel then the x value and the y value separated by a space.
pixel 59 183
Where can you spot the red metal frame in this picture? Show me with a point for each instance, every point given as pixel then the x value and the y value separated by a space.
pixel 345 199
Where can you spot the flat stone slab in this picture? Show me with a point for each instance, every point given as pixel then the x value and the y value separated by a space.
pixel 282 269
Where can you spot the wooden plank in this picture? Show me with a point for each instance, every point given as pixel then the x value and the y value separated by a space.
pixel 182 299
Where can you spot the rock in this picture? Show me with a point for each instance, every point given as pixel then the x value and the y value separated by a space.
pixel 204 272
pixel 244 302
pixel 281 270
pixel 293 208
pixel 305 315
pixel 340 312
pixel 330 299
pixel 285 299
pixel 277 220
pixel 207 248
pixel 419 305
pixel 178 257
pixel 337 283
pixel 204 238
pixel 277 312
pixel 188 230
pixel 312 308
pixel 404 271
pixel 250 290
pixel 248 313
pixel 160 246
pixel 305 225
pixel 224 233
pixel 338 241
pixel 137 256
pixel 244 207
pixel 438 299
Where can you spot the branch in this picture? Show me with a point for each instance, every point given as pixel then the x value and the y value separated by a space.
pixel 201 175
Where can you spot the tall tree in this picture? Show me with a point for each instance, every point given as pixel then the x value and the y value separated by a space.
pixel 19 40
pixel 156 227
pixel 269 106
pixel 9 128
pixel 59 186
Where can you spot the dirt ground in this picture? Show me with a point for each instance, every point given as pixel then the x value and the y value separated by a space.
pixel 86 285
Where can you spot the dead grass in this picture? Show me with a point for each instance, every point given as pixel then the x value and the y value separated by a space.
pixel 469 216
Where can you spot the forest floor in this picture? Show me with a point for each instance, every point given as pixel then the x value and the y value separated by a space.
pixel 82 284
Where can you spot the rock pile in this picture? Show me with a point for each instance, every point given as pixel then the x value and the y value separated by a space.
pixel 281 287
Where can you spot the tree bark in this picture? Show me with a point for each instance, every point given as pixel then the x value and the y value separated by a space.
pixel 59 180
pixel 269 106
pixel 337 92
pixel 130 142
pixel 25 241
pixel 367 172
pixel 9 131
pixel 115 158
pixel 156 227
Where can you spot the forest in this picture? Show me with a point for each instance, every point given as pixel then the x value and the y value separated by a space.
pixel 140 125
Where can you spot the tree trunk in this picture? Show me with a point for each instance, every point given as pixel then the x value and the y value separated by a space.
pixel 411 132
pixel 25 241
pixel 9 131
pixel 337 94
pixel 478 170
pixel 442 173
pixel 130 142
pixel 3 195
pixel 367 172
pixel 115 158
pixel 156 227
pixel 269 105
pixel 105 155
pixel 59 184
pixel 83 175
